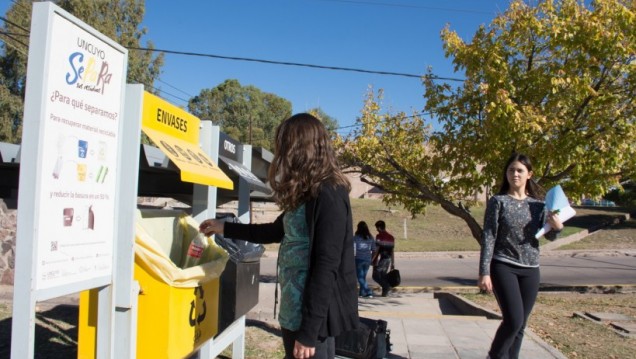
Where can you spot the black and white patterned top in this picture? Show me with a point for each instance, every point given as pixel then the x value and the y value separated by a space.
pixel 510 226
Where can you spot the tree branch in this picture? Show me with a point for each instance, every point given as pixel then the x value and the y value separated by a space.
pixel 421 191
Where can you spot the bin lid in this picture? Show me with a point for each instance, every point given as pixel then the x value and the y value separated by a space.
pixel 254 182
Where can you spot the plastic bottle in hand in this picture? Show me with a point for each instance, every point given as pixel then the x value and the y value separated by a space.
pixel 195 251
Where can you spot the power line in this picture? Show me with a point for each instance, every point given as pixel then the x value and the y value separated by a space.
pixel 183 92
pixel 9 35
pixel 13 34
pixel 404 117
pixel 187 101
pixel 273 62
pixel 286 63
pixel 14 24
pixel 169 94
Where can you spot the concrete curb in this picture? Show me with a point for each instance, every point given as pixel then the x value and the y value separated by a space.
pixel 475 254
pixel 466 306
pixel 589 288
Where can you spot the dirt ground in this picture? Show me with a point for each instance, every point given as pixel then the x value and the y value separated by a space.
pixel 56 335
pixel 554 321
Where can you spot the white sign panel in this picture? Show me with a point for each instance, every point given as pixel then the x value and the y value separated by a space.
pixel 78 158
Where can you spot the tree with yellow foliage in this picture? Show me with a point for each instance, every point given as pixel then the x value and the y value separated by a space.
pixel 556 81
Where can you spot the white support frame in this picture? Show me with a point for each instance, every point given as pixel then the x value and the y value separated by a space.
pixel 203 207
pixel 244 204
pixel 127 289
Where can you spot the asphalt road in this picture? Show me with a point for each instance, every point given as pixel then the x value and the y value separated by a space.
pixel 558 268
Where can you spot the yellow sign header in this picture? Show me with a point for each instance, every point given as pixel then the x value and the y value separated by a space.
pixel 167 118
pixel 176 132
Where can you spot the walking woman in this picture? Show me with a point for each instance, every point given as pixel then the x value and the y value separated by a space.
pixel 316 268
pixel 509 261
pixel 364 249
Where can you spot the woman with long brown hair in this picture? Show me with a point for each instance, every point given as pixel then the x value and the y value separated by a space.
pixel 316 268
pixel 509 261
pixel 364 249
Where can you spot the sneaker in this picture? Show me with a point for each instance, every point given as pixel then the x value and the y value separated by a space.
pixel 368 296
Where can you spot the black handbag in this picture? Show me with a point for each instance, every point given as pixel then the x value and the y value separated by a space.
pixel 371 340
pixel 393 278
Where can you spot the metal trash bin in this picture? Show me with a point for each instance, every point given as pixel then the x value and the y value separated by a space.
pixel 238 292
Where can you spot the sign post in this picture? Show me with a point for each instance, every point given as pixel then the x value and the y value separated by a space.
pixel 69 173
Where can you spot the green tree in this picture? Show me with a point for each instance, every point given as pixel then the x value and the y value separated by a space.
pixel 330 123
pixel 120 20
pixel 11 107
pixel 243 112
pixel 15 36
pixel 556 81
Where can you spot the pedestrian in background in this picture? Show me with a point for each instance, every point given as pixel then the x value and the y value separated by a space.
pixel 316 266
pixel 384 257
pixel 364 249
pixel 509 260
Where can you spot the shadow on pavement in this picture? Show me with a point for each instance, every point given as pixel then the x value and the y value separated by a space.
pixel 55 333
pixel 263 326
pixel 460 281
pixel 594 222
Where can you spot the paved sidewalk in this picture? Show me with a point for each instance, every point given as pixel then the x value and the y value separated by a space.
pixel 420 330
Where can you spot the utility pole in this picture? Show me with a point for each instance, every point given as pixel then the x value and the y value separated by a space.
pixel 250 132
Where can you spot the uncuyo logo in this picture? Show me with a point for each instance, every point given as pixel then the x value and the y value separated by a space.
pixel 88 67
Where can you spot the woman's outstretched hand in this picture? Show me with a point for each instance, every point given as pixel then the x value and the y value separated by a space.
pixel 212 226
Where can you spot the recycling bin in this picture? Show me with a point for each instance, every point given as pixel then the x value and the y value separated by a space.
pixel 240 280
pixel 177 307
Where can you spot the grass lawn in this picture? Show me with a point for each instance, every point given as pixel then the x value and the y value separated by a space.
pixel 437 230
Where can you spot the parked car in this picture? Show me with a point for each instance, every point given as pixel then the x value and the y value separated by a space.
pixel 597 203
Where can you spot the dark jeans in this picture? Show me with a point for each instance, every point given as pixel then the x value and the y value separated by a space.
pixel 516 290
pixel 325 348
pixel 362 268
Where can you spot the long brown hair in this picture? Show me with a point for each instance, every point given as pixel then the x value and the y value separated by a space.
pixel 532 188
pixel 303 159
pixel 363 230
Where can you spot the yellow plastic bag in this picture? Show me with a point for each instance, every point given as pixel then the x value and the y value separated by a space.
pixel 162 238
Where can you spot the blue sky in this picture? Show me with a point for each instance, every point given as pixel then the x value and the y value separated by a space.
pixel 385 35
pixel 399 36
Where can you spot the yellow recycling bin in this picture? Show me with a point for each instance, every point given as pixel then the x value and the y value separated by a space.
pixel 177 308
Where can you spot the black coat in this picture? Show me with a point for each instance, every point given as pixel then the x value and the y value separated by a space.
pixel 330 300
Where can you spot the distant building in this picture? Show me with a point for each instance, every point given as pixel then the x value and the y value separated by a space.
pixel 360 189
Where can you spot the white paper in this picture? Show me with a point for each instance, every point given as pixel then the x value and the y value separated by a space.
pixel 564 214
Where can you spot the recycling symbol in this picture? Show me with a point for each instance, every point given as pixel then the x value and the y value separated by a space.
pixel 195 317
